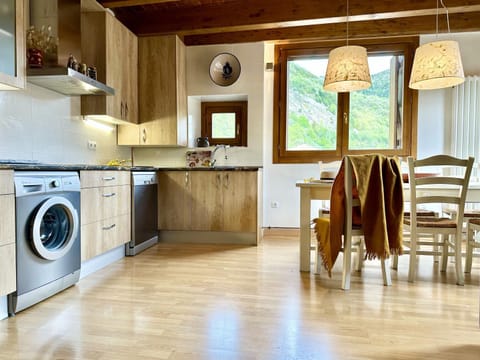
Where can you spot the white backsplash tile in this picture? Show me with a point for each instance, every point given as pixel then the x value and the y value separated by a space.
pixel 39 124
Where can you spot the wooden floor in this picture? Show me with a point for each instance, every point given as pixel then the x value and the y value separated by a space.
pixel 229 302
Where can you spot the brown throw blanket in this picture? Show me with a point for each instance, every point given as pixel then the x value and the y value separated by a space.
pixel 380 190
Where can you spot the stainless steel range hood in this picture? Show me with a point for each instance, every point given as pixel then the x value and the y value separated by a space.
pixel 67 81
pixel 64 18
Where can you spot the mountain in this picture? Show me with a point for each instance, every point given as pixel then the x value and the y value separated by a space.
pixel 312 119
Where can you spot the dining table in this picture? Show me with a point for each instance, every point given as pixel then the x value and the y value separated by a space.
pixel 320 190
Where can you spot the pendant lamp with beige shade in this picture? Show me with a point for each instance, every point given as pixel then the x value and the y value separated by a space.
pixel 437 64
pixel 347 68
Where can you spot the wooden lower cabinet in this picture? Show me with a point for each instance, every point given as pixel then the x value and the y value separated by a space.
pixel 240 199
pixel 110 201
pixel 7 234
pixel 210 201
pixel 206 198
pixel 105 211
pixel 174 200
pixel 104 235
pixel 7 269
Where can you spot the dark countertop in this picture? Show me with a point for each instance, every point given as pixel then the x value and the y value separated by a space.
pixel 214 168
pixel 33 166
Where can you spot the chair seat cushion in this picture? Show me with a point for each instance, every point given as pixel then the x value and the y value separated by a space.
pixel 475 221
pixel 472 214
pixel 468 213
pixel 421 213
pixel 432 222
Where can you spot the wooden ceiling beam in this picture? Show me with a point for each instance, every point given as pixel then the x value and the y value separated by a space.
pixel 459 22
pixel 246 15
pixel 112 4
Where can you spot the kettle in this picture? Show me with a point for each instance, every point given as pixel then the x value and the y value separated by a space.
pixel 203 142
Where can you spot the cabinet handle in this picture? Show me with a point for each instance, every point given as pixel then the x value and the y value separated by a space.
pixel 121 109
pixel 109 178
pixel 187 178
pixel 126 110
pixel 226 183
pixel 109 227
pixel 109 195
pixel 219 181
pixel 144 135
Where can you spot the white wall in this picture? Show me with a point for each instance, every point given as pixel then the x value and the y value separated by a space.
pixel 39 124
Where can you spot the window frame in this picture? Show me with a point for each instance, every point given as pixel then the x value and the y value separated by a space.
pixel 240 108
pixel 283 52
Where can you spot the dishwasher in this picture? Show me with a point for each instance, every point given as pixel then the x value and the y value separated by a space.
pixel 144 212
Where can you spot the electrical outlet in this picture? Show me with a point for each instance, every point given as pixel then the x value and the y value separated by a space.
pixel 275 204
pixel 92 145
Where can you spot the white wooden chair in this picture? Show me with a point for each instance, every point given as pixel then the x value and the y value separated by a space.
pixel 473 227
pixel 447 232
pixel 353 236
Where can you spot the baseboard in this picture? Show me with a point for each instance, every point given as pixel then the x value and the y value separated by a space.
pixel 208 237
pixel 276 231
pixel 102 260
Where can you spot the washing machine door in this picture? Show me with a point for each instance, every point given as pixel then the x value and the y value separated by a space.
pixel 54 228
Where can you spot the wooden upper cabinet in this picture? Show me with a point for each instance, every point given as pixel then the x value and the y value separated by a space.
pixel 130 78
pixel 112 48
pixel 12 45
pixel 162 94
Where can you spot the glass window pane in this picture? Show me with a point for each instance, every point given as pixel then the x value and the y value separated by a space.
pixel 7 37
pixel 376 113
pixel 311 112
pixel 223 125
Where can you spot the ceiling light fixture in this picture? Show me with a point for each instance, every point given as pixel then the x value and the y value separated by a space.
pixel 437 64
pixel 347 68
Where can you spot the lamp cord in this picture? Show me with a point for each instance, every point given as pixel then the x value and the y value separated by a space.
pixel 347 21
pixel 446 13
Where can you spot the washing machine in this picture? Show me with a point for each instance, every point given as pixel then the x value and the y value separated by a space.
pixel 47 235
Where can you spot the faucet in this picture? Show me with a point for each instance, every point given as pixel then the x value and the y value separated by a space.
pixel 225 147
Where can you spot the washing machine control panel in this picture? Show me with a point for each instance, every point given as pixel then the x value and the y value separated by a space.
pixel 55 183
pixel 29 183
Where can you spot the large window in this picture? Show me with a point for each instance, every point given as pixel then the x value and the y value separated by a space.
pixel 312 124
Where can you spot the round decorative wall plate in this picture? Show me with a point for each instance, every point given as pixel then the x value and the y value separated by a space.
pixel 224 69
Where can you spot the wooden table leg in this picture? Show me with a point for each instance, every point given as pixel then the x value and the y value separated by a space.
pixel 305 231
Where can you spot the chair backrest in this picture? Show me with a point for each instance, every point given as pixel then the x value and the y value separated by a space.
pixel 455 186
pixel 350 202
